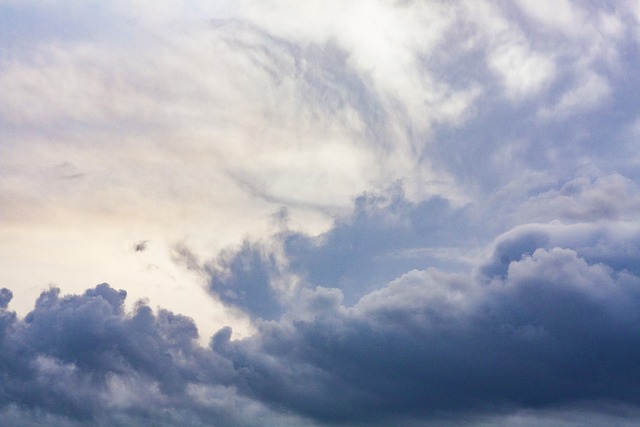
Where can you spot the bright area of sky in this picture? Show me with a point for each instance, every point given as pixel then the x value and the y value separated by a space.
pixel 262 164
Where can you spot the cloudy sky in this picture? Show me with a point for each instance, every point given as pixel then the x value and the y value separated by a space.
pixel 319 213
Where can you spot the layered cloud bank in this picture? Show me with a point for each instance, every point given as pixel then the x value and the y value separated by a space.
pixel 381 213
pixel 548 321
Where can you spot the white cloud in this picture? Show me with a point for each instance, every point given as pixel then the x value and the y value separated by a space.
pixel 590 91
pixel 524 72
pixel 560 15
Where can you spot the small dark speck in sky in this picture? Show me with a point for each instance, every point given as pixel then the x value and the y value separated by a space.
pixel 140 246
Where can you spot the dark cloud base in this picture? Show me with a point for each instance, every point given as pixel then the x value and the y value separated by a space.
pixel 549 321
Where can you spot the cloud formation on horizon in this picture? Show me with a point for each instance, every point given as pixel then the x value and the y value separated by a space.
pixel 548 320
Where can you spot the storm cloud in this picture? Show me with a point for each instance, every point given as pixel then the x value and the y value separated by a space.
pixel 550 327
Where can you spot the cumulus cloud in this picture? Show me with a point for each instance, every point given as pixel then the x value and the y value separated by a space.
pixel 584 199
pixel 455 237
pixel 82 359
pixel 384 236
pixel 547 321
pixel 555 329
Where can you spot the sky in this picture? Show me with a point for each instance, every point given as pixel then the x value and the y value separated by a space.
pixel 319 213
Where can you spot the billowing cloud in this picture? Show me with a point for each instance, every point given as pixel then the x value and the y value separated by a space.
pixel 384 236
pixel 78 360
pixel 535 325
pixel 548 321
pixel 406 213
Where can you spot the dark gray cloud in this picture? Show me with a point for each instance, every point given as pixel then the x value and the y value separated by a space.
pixel 556 330
pixel 548 321
pixel 373 245
pixel 384 236
pixel 615 244
pixel 80 358
pixel 5 297
pixel 545 321
pixel 243 279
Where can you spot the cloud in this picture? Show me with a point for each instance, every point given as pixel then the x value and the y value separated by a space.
pixel 520 331
pixel 405 213
pixel 562 16
pixel 584 199
pixel 81 358
pixel 613 244
pixel 387 235
pixel 555 330
pixel 243 279
pixel 5 297
pixel 547 321
pixel 590 91
pixel 523 72
pixel 384 236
